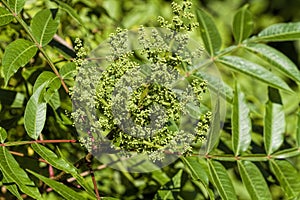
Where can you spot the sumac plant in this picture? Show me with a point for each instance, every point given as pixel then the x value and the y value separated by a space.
pixel 249 152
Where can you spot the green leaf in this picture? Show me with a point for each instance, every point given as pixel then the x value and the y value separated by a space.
pixel 242 24
pixel 16 5
pixel 241 123
pixel 274 126
pixel 68 71
pixel 214 130
pixel 254 181
pixel 253 70
pixel 60 188
pixel 5 16
pixel 35 113
pixel 280 32
pixel 70 11
pixel 195 168
pixel 13 172
pixel 298 129
pixel 16 55
pixel 44 26
pixel 221 180
pixel 276 59
pixel 61 164
pixel 287 176
pixel 209 32
pixel 3 135
pixel 11 187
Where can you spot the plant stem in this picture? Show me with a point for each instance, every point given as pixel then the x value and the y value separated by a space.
pixel 36 141
pixel 25 26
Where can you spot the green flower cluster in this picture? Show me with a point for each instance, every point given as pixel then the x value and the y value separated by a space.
pixel 142 96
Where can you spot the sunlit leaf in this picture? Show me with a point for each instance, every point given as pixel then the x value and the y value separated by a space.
pixel 35 113
pixel 60 188
pixel 288 177
pixel 16 55
pixel 276 59
pixel 16 5
pixel 241 123
pixel 68 71
pixel 13 172
pixel 5 16
pixel 44 25
pixel 3 134
pixel 280 32
pixel 274 125
pixel 209 32
pixel 254 70
pixel 221 180
pixel 242 24
pixel 298 128
pixel 253 181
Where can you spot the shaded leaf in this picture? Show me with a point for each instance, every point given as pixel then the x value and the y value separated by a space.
pixel 221 180
pixel 70 11
pixel 280 32
pixel 13 172
pixel 44 27
pixel 3 135
pixel 276 59
pixel 274 126
pixel 35 113
pixel 287 176
pixel 214 129
pixel 254 70
pixel 195 168
pixel 242 24
pixel 61 164
pixel 241 123
pixel 16 55
pixel 254 181
pixel 11 187
pixel 16 5
pixel 5 16
pixel 209 32
pixel 60 188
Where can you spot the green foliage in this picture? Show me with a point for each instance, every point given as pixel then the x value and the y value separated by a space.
pixel 255 155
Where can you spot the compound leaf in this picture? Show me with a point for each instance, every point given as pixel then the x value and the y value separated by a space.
pixel 241 123
pixel 280 32
pixel 16 5
pixel 242 24
pixel 287 176
pixel 3 134
pixel 5 16
pixel 254 181
pixel 60 188
pixel 221 180
pixel 44 25
pixel 209 32
pixel 13 172
pixel 254 70
pixel 16 55
pixel 274 123
pixel 35 113
pixel 276 59
pixel 196 170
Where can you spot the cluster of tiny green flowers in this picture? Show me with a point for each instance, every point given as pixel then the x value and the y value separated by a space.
pixel 145 118
pixel 81 53
pixel 182 19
